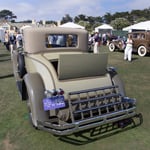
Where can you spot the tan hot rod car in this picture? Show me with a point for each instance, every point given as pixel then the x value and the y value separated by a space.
pixel 67 89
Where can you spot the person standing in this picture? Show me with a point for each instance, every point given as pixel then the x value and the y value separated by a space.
pixel 128 49
pixel 12 40
pixel 96 43
pixel 6 40
pixel 18 40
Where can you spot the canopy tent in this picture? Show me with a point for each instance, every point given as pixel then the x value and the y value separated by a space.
pixel 104 28
pixel 24 27
pixel 139 26
pixel 72 25
pixel 6 26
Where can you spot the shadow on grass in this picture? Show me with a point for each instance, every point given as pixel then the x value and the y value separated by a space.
pixel 5 60
pixel 6 76
pixel 134 58
pixel 4 55
pixel 99 133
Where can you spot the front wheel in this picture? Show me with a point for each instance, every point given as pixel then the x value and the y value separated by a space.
pixel 112 47
pixel 142 51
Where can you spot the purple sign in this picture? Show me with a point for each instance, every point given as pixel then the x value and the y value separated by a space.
pixel 53 102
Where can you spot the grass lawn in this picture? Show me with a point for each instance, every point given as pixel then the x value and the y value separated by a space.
pixel 17 134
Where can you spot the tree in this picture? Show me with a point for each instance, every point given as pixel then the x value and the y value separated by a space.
pixel 107 18
pixel 51 22
pixel 120 23
pixel 66 19
pixel 89 22
pixel 146 13
pixel 93 22
pixel 80 17
pixel 140 19
pixel 7 15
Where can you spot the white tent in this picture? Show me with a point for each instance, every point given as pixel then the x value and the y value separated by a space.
pixel 139 26
pixel 24 27
pixel 72 25
pixel 104 28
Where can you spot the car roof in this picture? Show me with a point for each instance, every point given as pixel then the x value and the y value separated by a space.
pixel 34 38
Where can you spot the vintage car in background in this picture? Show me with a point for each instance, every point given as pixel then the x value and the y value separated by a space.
pixel 117 44
pixel 67 89
pixel 141 42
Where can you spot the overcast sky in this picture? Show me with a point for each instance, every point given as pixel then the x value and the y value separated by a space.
pixel 56 9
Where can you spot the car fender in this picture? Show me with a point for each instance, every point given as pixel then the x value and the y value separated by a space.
pixel 35 89
pixel 116 80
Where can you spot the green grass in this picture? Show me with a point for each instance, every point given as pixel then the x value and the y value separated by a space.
pixel 17 134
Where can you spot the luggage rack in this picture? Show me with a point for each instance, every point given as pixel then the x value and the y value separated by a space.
pixel 90 103
pixel 95 108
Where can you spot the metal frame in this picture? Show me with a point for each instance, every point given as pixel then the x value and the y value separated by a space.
pixel 94 111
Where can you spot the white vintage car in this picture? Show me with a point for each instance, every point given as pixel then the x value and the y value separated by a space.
pixel 67 89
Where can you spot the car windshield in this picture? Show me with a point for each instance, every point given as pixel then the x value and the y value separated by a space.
pixel 61 40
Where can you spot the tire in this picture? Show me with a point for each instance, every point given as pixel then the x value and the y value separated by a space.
pixel 112 47
pixel 142 51
pixel 35 90
pixel 21 65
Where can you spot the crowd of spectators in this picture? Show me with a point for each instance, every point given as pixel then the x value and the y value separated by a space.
pixel 98 39
pixel 12 40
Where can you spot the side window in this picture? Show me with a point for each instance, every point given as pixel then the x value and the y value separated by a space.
pixel 138 36
pixel 142 36
pixel 134 36
pixel 61 40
